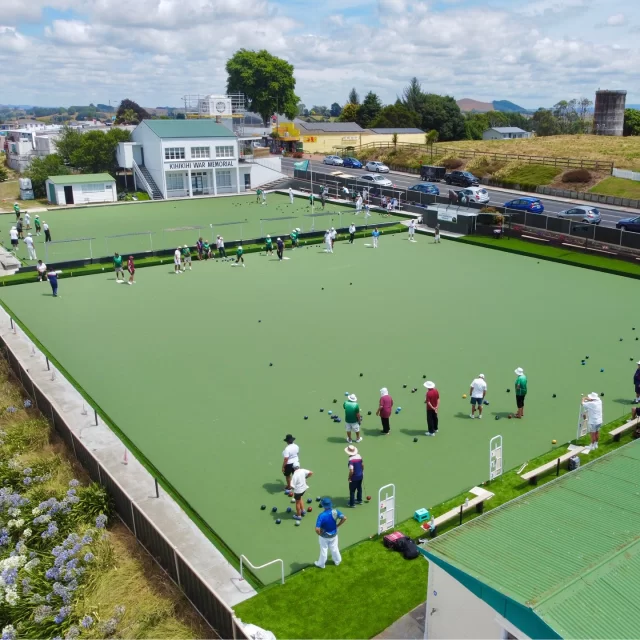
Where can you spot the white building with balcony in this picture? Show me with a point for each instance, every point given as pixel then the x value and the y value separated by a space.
pixel 184 158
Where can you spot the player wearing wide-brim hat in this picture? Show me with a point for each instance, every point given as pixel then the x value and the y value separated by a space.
pixel 294 238
pixel 352 417
pixel 521 391
pixel 432 400
pixel 280 248
pixel 593 412
pixel 268 245
pixel 239 255
pixel 186 257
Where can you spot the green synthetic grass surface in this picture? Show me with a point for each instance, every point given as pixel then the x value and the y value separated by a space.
pixel 99 222
pixel 181 365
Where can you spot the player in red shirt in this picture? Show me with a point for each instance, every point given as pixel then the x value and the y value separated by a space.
pixel 433 402
pixel 131 268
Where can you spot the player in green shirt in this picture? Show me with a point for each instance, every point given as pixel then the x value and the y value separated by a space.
pixel 311 199
pixel 269 245
pixel 258 194
pixel 117 265
pixel 206 250
pixel 16 209
pixel 239 257
pixel 352 417
pixel 186 256
pixel 36 223
pixel 521 391
pixel 294 238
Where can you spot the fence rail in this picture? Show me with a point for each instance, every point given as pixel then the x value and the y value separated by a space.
pixel 205 600
pixel 625 173
pixel 441 151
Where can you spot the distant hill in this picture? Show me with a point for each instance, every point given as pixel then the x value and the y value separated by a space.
pixel 469 105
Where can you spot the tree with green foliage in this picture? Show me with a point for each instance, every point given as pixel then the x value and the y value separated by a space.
pixel 631 125
pixel 395 115
pixel 369 109
pixel 43 167
pixel 319 110
pixel 4 174
pixel 413 96
pixel 301 108
pixel 336 110
pixel 349 112
pixel 442 114
pixel 129 116
pixel 180 116
pixel 97 151
pixel 353 98
pixel 265 80
pixel 545 123
pixel 126 106
pixel 68 141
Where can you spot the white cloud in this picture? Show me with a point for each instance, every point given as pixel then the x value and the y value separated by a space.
pixel 159 50
pixel 616 20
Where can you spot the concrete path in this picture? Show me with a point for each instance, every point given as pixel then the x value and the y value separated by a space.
pixel 411 625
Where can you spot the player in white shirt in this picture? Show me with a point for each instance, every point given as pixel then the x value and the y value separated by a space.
pixel 367 212
pixel 176 260
pixel 593 411
pixel 30 248
pixel 299 486
pixel 42 271
pixel 27 221
pixel 477 391
pixel 289 458
pixel 359 204
pixel 264 197
pixel 352 232
pixel 334 235
pixel 290 195
pixel 13 234
pixel 327 242
pixel 220 245
pixel 412 230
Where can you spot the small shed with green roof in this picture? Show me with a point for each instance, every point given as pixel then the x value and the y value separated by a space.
pixel 86 188
pixel 562 561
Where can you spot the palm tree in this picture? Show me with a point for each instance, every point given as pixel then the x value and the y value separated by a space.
pixel 129 116
pixel 431 138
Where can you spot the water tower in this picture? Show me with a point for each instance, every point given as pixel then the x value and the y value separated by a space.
pixel 608 118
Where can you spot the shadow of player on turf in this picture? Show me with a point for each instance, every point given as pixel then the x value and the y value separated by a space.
pixel 273 487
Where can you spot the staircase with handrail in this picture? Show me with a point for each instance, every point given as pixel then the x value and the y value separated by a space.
pixel 147 182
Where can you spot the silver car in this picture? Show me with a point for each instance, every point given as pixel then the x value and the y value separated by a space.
pixel 377 180
pixel 582 212
pixel 335 160
pixel 379 167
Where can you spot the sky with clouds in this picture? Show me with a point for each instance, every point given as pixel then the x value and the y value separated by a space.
pixel 533 52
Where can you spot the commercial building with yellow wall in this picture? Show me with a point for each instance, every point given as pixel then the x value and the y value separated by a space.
pixel 328 137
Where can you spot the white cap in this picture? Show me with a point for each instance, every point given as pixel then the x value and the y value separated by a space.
pixel 278 240
pixel 519 371
pixel 29 233
pixel 593 396
pixel 268 236
pixel 297 228
pixel 481 376
pixel 186 246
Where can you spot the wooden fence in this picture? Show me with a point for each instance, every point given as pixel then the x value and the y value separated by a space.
pixel 436 151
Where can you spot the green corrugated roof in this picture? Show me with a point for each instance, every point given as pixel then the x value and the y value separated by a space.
pixel 187 129
pixel 569 551
pixel 84 178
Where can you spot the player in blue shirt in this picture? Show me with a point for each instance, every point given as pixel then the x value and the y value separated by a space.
pixel 327 529
pixel 375 234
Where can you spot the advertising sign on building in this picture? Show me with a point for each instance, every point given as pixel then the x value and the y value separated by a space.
pixel 310 139
pixel 445 216
pixel 201 164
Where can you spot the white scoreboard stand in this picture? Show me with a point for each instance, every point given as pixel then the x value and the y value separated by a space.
pixel 495 457
pixel 386 508
pixel 583 420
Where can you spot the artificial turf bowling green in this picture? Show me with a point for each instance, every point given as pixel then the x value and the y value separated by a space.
pixel 180 364
pixel 98 222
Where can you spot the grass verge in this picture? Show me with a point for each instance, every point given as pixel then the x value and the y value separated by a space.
pixel 115 589
pixel 385 585
pixel 618 188
pixel 530 176
pixel 557 254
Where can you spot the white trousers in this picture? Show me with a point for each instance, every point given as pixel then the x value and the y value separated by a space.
pixel 375 243
pixel 291 198
pixel 329 248
pixel 411 233
pixel 32 253
pixel 326 545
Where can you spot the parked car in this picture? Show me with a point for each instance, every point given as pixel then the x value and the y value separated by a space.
pixel 629 224
pixel 377 180
pixel 475 194
pixel 374 165
pixel 351 163
pixel 435 174
pixel 428 188
pixel 462 179
pixel 335 160
pixel 532 205
pixel 584 213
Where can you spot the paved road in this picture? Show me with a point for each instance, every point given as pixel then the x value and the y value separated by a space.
pixel 610 215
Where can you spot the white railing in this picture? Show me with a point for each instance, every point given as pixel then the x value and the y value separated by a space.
pixel 244 559
pixel 142 179
pixel 625 173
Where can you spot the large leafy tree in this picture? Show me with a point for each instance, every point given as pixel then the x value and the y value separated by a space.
pixel 369 109
pixel 124 112
pixel 267 82
pixel 443 114
pixel 43 167
pixel 336 110
pixel 97 150
pixel 395 115
pixel 68 141
pixel 349 112
pixel 545 123
pixel 631 122
pixel 413 96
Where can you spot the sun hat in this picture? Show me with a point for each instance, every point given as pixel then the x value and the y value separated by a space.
pixel 326 503
pixel 186 246
pixel 638 362
pixel 519 371
pixel 481 376
pixel 351 450
pixel 297 228
pixel 289 438
pixel 278 240
pixel 384 391
pixel 268 236
pixel 29 233
pixel 593 396
pixel 430 385
pixel 352 397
